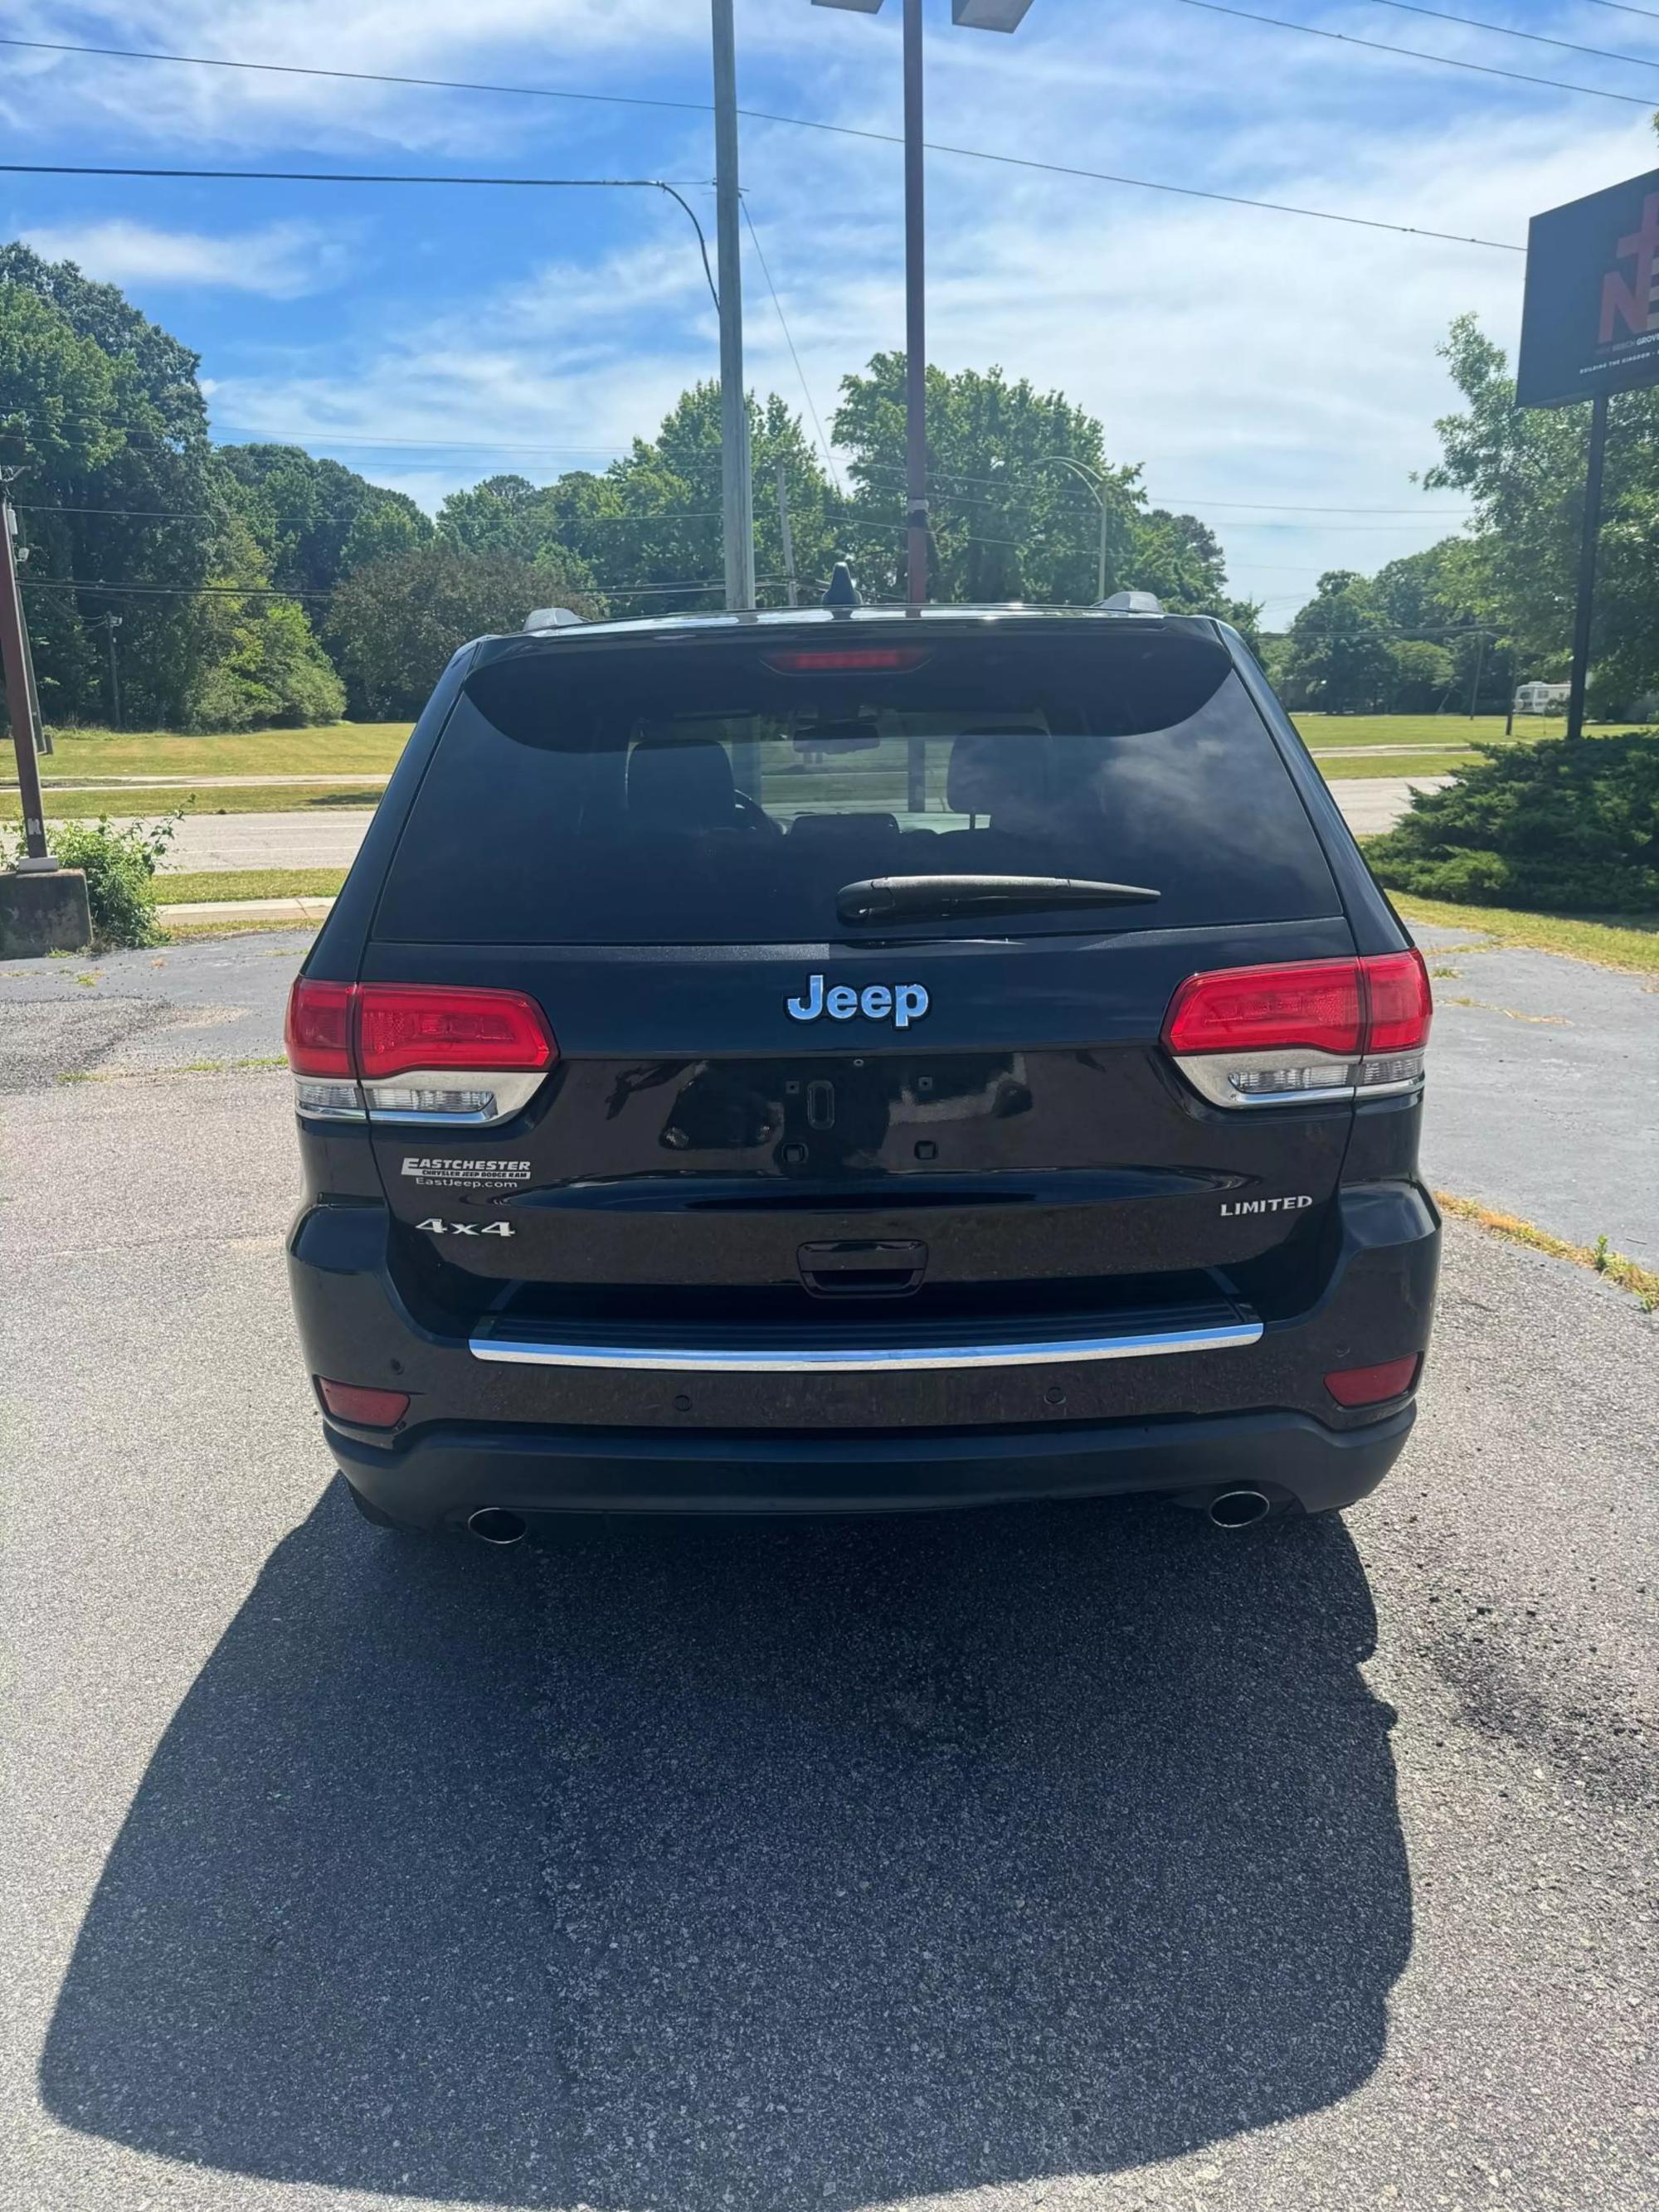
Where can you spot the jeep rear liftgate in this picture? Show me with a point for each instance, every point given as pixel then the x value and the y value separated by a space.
pixel 768 984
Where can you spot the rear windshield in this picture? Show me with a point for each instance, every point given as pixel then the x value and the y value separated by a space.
pixel 697 793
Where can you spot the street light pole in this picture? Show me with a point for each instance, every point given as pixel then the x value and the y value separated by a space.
pixel 974 15
pixel 915 319
pixel 1097 484
pixel 736 490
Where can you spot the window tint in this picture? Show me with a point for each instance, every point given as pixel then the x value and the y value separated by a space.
pixel 689 793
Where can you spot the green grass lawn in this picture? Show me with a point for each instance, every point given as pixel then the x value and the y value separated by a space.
pixel 190 889
pixel 137 799
pixel 1629 944
pixel 330 749
pixel 1323 730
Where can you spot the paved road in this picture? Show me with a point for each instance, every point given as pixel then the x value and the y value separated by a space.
pixel 320 837
pixel 1087 1859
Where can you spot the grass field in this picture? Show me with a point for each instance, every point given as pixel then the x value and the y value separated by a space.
pixel 1320 732
pixel 332 749
pixel 1630 945
pixel 248 884
pixel 136 799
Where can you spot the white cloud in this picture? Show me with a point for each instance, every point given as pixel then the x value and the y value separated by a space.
pixel 281 261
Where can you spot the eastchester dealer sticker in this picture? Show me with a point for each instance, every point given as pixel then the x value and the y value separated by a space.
pixel 437 1172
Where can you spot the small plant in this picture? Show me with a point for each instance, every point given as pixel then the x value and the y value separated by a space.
pixel 119 865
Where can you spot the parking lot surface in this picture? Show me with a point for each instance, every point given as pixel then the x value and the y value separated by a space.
pixel 1087 1858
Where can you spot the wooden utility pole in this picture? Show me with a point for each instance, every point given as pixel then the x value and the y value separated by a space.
pixel 20 690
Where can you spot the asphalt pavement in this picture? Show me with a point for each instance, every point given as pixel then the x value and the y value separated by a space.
pixel 1089 1858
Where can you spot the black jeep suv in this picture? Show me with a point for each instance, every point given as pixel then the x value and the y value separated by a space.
pixel 854 1061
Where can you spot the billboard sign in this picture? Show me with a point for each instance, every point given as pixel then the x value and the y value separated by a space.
pixel 1590 324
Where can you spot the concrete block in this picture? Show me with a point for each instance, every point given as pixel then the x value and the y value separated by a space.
pixel 41 913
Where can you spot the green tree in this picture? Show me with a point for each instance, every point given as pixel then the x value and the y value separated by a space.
pixel 265 667
pixel 1442 597
pixel 316 520
pixel 1013 515
pixel 1339 659
pixel 1423 675
pixel 393 626
pixel 1525 470
pixel 118 501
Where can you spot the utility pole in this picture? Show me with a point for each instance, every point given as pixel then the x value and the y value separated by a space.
pixel 915 319
pixel 737 490
pixel 20 693
pixel 111 623
pixel 1587 546
pixel 787 536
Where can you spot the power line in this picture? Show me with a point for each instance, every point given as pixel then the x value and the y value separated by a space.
pixel 806 390
pixel 833 129
pixel 1625 8
pixel 360 177
pixel 1508 31
pixel 283 592
pixel 1414 54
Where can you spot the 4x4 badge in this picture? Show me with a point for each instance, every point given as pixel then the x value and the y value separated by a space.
pixel 466 1228
pixel 898 1003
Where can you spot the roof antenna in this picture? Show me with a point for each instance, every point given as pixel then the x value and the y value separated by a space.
pixel 843 593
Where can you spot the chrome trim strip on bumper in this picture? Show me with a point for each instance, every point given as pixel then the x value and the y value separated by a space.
pixel 869 1359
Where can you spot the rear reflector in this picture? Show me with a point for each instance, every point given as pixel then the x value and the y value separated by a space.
pixel 415 1052
pixel 1370 1386
pixel 357 1403
pixel 895 660
pixel 1271 1036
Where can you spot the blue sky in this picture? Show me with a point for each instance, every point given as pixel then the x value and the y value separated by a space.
pixel 1255 363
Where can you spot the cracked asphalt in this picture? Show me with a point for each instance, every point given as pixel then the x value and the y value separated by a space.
pixel 1080 1858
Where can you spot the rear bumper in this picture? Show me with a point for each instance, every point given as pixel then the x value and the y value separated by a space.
pixel 537 1439
pixel 447 1473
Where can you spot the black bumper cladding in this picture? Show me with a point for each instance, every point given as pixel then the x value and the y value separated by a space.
pixel 587 1420
pixel 450 1473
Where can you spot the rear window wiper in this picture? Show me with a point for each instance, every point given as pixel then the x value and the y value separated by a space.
pixel 890 898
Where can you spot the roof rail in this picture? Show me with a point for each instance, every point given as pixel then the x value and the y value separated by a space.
pixel 1131 603
pixel 552 618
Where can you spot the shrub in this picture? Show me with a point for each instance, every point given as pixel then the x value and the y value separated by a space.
pixel 120 867
pixel 1555 826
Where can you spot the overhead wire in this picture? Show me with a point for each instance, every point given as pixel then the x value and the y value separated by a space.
pixel 1415 54
pixel 1510 31
pixel 834 129
pixel 374 177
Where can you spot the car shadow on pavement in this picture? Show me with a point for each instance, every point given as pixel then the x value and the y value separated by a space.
pixel 697 1866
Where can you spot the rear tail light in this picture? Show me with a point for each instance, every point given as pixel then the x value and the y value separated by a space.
pixel 414 1052
pixel 364 1407
pixel 1370 1386
pixel 1304 1030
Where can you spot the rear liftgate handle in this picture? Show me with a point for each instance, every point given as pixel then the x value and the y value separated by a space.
pixel 867 1269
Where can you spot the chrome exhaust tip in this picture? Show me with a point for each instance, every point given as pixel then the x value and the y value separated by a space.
pixel 1239 1509
pixel 495 1526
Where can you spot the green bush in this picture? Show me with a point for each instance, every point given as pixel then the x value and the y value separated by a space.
pixel 1555 826
pixel 120 868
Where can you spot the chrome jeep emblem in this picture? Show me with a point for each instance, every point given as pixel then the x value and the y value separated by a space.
pixel 898 1003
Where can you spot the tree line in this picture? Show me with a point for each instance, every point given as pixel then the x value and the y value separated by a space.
pixel 255 584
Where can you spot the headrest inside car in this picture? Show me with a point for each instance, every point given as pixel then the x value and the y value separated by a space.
pixel 681 784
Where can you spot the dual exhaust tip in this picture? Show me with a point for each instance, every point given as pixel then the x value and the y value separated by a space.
pixel 1229 1508
pixel 1239 1509
pixel 495 1526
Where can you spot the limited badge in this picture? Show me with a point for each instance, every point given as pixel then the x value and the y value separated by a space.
pixel 445 1171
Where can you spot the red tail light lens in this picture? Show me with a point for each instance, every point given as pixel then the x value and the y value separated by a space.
pixel 317 1030
pixel 401 1028
pixel 1402 1002
pixel 1271 1036
pixel 366 1407
pixel 1315 1005
pixel 1370 1386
